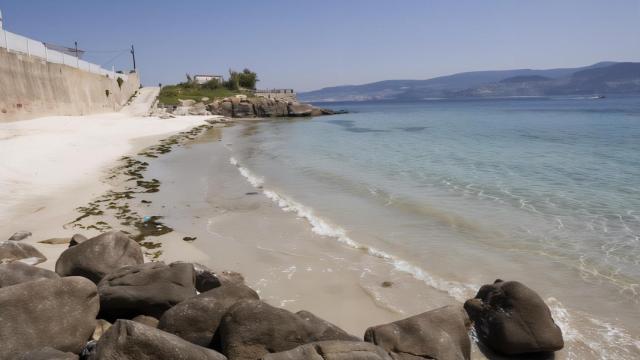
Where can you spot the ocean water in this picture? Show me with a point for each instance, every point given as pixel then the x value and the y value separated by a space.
pixel 458 193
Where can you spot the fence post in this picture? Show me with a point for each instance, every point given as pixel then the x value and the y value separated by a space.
pixel 46 53
pixel 28 52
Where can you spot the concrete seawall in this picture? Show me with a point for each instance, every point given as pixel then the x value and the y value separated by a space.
pixel 31 87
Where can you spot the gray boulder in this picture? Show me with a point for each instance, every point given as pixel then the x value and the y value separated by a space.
pixel 77 239
pixel 512 319
pixel 58 313
pixel 332 350
pixel 47 353
pixel 251 329
pixel 18 272
pixel 147 320
pixel 300 109
pixel 440 334
pixel 20 235
pixel 197 319
pixel 243 110
pixel 129 340
pixel 98 256
pixel 11 251
pixel 145 289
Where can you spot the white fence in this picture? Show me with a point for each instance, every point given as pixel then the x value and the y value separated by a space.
pixel 17 43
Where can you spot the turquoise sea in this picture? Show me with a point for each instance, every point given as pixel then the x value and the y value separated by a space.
pixel 459 193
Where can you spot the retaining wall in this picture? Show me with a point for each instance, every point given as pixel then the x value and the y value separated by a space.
pixel 31 87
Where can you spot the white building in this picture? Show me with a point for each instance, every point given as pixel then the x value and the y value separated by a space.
pixel 201 79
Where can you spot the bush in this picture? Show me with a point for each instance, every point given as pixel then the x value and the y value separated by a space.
pixel 211 84
pixel 248 79
pixel 234 81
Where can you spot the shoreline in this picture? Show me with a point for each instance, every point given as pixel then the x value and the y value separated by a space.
pixel 274 265
pixel 75 153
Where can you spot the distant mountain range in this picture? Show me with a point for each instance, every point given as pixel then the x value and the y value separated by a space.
pixel 597 79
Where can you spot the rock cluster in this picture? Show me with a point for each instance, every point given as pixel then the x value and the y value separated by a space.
pixel 104 302
pixel 263 107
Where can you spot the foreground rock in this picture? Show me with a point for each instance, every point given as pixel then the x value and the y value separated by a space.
pixel 77 239
pixel 332 350
pixel 437 334
pixel 146 289
pixel 96 257
pixel 197 319
pixel 20 235
pixel 512 319
pixel 251 329
pixel 207 279
pixel 56 313
pixel 47 353
pixel 11 251
pixel 129 340
pixel 18 273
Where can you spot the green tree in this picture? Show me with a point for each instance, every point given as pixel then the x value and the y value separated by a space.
pixel 248 79
pixel 233 83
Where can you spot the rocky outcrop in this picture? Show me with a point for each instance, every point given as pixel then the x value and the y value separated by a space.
pixel 58 313
pixel 129 340
pixel 251 329
pixel 262 107
pixel 96 257
pixel 11 251
pixel 197 319
pixel 437 334
pixel 332 350
pixel 18 272
pixel 512 319
pixel 146 289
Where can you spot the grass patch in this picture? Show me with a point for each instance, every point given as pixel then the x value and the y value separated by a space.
pixel 169 95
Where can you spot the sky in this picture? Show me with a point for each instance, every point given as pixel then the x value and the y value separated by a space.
pixel 309 45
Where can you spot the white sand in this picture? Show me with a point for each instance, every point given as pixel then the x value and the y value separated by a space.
pixel 51 165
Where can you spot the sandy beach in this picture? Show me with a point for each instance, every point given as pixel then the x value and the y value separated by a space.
pixel 52 165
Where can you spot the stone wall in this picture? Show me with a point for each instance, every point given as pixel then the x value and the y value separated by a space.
pixel 31 87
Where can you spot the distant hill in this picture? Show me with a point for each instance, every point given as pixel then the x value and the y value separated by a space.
pixel 600 78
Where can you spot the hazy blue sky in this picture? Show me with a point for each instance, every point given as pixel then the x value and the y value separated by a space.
pixel 311 44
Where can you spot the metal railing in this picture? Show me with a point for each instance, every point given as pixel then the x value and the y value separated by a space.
pixel 20 44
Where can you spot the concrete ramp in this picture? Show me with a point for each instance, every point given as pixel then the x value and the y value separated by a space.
pixel 142 103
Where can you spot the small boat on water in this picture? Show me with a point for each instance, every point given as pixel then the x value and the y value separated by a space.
pixel 595 97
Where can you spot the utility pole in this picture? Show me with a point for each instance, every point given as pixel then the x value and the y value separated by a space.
pixel 77 57
pixel 133 55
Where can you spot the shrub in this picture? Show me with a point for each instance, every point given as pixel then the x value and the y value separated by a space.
pixel 248 79
pixel 211 84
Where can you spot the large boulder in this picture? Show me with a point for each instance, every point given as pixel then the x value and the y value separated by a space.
pixel 47 353
pixel 251 329
pixel 11 251
pixel 197 319
pixel 20 235
pixel 18 272
pixel 243 110
pixel 300 109
pixel 332 350
pixel 58 313
pixel 129 340
pixel 198 109
pixel 145 289
pixel 512 319
pixel 98 256
pixel 437 334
